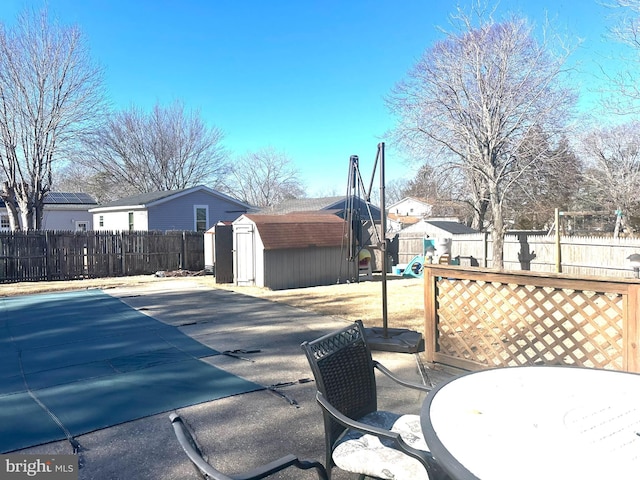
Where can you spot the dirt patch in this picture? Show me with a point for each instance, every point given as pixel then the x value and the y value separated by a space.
pixel 405 307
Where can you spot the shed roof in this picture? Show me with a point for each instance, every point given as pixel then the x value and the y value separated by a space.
pixel 455 228
pixel 299 231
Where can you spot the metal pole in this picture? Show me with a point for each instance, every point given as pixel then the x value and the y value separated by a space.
pixel 383 246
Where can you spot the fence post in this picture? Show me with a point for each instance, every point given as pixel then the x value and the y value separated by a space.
pixel 430 324
pixel 122 249
pixel 183 256
pixel 485 249
pixel 47 253
pixel 558 246
pixel 631 346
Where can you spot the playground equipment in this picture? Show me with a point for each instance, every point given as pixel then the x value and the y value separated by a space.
pixel 433 251
pixel 364 265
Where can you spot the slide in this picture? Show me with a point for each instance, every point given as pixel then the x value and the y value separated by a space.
pixel 414 267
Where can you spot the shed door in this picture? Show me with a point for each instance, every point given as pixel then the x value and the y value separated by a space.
pixel 224 253
pixel 244 254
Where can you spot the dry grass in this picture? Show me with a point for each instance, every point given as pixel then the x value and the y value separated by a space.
pixel 353 301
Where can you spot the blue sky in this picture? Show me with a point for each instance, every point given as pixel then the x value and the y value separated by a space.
pixel 306 77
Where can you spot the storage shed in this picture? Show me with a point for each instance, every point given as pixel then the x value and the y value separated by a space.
pixel 289 251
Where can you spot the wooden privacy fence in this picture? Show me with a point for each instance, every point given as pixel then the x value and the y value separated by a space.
pixel 53 255
pixel 477 318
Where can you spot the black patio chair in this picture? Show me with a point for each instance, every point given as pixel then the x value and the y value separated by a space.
pixel 192 450
pixel 359 438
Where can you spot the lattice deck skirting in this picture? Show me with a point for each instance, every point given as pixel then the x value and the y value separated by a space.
pixel 478 318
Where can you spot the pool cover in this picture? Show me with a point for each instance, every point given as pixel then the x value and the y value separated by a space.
pixel 75 362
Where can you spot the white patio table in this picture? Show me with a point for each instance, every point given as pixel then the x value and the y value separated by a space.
pixel 544 422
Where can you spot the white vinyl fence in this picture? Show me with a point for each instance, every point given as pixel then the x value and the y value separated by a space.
pixel 592 256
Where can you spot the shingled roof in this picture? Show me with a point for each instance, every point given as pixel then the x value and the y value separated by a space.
pixel 299 231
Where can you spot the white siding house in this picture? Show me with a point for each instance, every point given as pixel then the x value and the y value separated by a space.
pixel 62 211
pixel 411 207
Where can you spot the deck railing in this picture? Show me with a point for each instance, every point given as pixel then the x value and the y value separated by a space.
pixel 478 318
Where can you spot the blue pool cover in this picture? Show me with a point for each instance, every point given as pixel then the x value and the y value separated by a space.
pixel 75 362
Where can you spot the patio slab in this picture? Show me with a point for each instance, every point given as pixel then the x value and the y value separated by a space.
pixel 241 431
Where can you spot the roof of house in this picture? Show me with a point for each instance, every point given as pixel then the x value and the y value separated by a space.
pixel 302 205
pixel 146 200
pixel 404 219
pixel 454 228
pixel 62 199
pixel 296 230
pixel 337 205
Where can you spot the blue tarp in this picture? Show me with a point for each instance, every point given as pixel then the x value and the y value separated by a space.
pixel 72 363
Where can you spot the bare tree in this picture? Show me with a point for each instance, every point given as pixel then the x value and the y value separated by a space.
pixel 554 183
pixel 50 95
pixel 168 148
pixel 627 29
pixel 471 100
pixel 613 156
pixel 264 178
pixel 624 97
pixel 395 190
pixel 76 177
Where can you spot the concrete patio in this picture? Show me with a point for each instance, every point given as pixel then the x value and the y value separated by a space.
pixel 242 431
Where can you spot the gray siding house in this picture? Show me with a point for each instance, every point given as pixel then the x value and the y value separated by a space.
pixel 192 209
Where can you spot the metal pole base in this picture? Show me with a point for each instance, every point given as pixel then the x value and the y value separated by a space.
pixel 398 340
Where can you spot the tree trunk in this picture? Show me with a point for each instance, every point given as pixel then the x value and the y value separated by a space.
pixel 497 233
pixel 8 196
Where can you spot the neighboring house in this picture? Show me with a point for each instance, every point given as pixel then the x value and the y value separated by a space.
pixel 336 205
pixel 406 212
pixel 395 222
pixel 192 209
pixel 289 251
pixel 411 240
pixel 62 211
pixel 437 229
pixel 411 207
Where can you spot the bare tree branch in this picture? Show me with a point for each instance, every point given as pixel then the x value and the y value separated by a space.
pixel 50 96
pixel 168 148
pixel 473 99
pixel 264 178
pixel 613 174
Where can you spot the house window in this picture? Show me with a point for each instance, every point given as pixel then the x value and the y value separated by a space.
pixel 4 222
pixel 131 221
pixel 202 217
pixel 101 220
pixel 82 226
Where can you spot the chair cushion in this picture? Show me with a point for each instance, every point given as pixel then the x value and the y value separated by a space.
pixel 367 454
